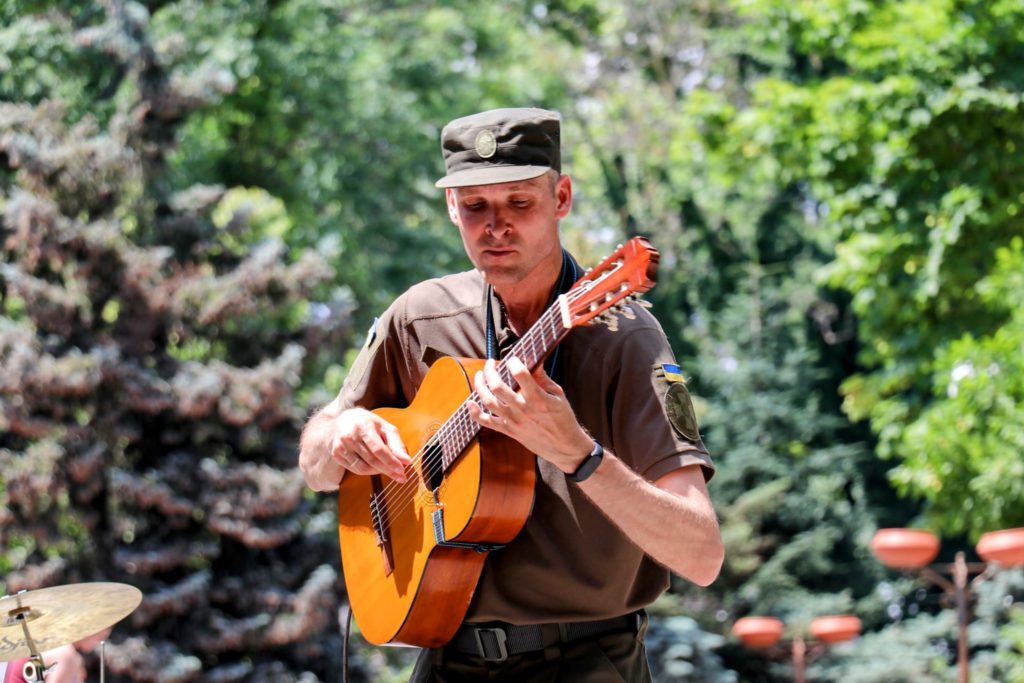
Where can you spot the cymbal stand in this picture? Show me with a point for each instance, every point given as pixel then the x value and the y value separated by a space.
pixel 34 668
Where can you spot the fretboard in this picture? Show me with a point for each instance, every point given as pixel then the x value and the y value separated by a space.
pixel 532 348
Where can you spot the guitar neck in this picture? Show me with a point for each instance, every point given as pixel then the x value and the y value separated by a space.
pixel 597 297
pixel 532 348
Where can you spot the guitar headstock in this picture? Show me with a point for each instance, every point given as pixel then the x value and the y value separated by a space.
pixel 608 287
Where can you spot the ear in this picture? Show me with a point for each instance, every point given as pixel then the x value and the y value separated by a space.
pixel 453 207
pixel 563 197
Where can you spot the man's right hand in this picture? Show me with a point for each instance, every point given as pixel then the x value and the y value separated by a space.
pixel 365 443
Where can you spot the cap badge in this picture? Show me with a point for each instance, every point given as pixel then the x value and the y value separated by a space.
pixel 485 144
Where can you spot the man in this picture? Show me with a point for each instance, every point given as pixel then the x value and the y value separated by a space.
pixel 621 496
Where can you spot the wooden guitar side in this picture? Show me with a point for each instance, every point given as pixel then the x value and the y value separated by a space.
pixel 486 496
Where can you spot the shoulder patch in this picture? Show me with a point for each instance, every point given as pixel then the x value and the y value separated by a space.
pixel 679 409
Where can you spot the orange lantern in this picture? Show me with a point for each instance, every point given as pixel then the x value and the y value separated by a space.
pixel 1004 547
pixel 758 631
pixel 835 628
pixel 905 548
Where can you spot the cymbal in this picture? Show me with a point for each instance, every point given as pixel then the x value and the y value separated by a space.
pixel 62 614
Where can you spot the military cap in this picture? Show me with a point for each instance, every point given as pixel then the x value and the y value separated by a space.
pixel 499 146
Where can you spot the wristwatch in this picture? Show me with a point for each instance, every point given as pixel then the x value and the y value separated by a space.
pixel 588 466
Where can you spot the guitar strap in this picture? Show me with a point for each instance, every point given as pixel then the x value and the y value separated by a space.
pixel 570 274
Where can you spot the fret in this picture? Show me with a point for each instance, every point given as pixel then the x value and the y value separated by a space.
pixel 548 327
pixel 557 327
pixel 456 434
pixel 506 374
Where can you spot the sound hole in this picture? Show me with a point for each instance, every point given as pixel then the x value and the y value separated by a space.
pixel 433 466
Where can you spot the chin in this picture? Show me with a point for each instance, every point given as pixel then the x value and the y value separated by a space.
pixel 499 277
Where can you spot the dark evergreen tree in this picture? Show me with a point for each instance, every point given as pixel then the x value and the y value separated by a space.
pixel 152 341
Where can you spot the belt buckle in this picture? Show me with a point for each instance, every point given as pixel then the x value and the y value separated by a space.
pixel 499 637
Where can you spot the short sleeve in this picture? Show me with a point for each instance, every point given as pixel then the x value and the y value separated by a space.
pixel 654 427
pixel 375 378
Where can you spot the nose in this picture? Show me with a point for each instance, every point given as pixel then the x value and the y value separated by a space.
pixel 497 224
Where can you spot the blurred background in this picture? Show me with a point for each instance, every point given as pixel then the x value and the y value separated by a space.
pixel 205 204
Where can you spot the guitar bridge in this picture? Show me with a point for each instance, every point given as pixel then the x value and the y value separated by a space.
pixel 437 518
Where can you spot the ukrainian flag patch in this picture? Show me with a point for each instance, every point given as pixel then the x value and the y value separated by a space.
pixel 673 373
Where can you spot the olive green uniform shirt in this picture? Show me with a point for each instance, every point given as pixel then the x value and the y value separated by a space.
pixel 570 562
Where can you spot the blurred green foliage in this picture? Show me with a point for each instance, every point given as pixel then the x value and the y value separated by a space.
pixel 905 123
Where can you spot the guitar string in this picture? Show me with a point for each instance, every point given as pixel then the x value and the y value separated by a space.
pixel 396 496
pixel 458 432
pixel 459 429
pixel 459 424
pixel 462 426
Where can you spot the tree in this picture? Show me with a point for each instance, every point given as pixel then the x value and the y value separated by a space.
pixel 324 123
pixel 151 343
pixel 904 126
pixel 679 142
pixel 338 111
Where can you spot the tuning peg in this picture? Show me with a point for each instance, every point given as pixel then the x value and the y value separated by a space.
pixel 628 313
pixel 608 319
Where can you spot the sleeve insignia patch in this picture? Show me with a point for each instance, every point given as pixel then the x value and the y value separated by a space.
pixel 679 409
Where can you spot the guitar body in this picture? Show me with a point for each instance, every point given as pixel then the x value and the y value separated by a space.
pixel 412 590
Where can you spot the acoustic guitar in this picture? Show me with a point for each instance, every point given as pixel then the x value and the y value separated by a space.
pixel 412 553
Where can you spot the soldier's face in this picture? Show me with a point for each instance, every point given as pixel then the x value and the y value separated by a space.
pixel 510 230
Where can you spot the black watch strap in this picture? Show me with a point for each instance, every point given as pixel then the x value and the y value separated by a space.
pixel 588 466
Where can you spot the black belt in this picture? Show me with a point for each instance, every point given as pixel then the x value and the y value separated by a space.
pixel 495 642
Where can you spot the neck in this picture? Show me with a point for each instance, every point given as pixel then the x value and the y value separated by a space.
pixel 527 299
